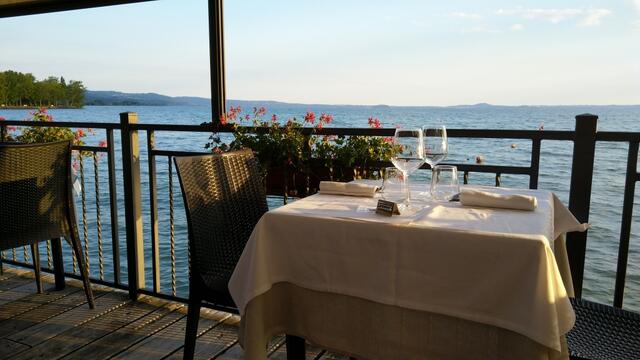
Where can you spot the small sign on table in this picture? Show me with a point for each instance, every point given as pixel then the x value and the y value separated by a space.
pixel 387 208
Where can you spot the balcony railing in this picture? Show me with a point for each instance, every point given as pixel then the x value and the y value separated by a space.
pixel 164 248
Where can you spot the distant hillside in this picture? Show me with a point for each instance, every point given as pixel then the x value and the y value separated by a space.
pixel 111 98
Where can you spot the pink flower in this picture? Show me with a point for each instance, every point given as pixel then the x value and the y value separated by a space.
pixel 326 118
pixel 223 119
pixel 259 111
pixel 274 118
pixel 79 134
pixel 102 143
pixel 2 119
pixel 75 165
pixel 388 139
pixel 310 117
pixel 42 110
pixel 247 117
pixel 374 122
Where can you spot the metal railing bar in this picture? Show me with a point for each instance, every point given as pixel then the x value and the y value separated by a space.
pixel 625 228
pixel 113 205
pixel 64 124
pixel 617 136
pixel 535 163
pixel 176 153
pixel 153 209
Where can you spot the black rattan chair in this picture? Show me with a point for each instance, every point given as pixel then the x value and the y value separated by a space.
pixel 224 198
pixel 36 201
pixel 603 332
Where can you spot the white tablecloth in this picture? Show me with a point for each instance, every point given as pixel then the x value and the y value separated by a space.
pixel 491 266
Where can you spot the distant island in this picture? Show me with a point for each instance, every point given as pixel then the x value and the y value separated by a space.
pixel 117 98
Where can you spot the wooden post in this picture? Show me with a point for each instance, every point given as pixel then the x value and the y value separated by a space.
pixel 216 58
pixel 584 148
pixel 132 203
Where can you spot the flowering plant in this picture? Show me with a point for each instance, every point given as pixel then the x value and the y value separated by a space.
pixel 278 144
pixel 41 134
pixel 275 144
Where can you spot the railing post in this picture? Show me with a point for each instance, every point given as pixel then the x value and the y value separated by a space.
pixel 584 148
pixel 132 203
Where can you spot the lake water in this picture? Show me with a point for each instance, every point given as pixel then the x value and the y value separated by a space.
pixel 555 168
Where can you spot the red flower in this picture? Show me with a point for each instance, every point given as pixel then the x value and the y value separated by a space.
pixel 223 119
pixel 310 117
pixel 274 118
pixel 374 122
pixel 102 143
pixel 2 119
pixel 259 111
pixel 388 139
pixel 326 118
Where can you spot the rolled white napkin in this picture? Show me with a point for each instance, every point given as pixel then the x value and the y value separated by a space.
pixel 473 197
pixel 350 189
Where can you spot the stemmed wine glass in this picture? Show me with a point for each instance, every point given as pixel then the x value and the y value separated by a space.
pixel 408 155
pixel 436 145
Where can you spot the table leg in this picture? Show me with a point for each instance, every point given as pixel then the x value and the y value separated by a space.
pixel 295 348
pixel 58 265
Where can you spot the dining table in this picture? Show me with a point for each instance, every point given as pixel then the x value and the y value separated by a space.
pixel 441 281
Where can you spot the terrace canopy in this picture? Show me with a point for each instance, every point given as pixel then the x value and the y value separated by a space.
pixel 12 8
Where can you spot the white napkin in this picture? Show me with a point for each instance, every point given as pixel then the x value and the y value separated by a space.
pixel 472 197
pixel 351 189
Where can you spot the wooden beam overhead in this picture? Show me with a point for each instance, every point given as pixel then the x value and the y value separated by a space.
pixel 11 8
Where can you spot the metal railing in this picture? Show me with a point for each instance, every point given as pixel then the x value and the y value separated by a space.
pixel 584 139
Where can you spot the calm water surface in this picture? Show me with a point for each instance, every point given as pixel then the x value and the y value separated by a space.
pixel 555 168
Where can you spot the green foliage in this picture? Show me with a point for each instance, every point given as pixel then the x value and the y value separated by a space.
pixel 18 89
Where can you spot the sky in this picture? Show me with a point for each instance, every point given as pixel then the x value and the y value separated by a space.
pixel 346 51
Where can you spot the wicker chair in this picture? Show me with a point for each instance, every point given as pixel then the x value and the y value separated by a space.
pixel 224 198
pixel 603 332
pixel 36 201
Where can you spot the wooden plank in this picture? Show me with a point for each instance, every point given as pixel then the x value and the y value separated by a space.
pixel 11 282
pixel 17 292
pixel 167 341
pixel 8 347
pixel 50 328
pixel 236 352
pixel 233 353
pixel 88 331
pixel 333 356
pixel 129 335
pixel 30 302
pixel 281 352
pixel 214 340
pixel 73 298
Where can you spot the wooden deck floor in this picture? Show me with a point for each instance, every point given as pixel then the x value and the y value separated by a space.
pixel 60 325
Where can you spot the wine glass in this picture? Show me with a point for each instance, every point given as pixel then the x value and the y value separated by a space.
pixel 436 145
pixel 408 155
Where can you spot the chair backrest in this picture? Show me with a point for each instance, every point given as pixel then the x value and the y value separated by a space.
pixel 224 198
pixel 35 183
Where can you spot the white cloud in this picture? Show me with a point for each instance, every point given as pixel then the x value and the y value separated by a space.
pixel 517 27
pixel 588 17
pixel 594 16
pixel 470 16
